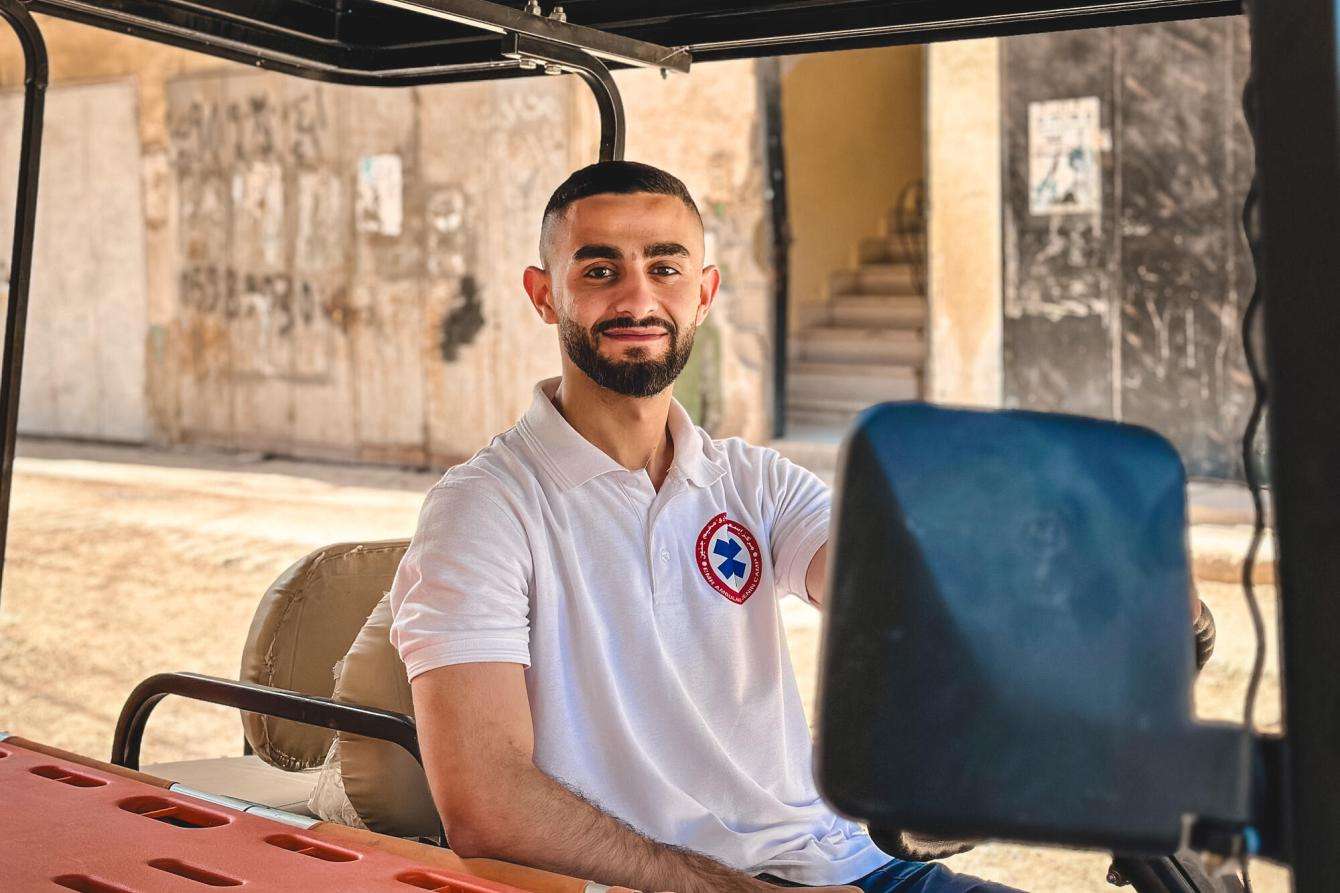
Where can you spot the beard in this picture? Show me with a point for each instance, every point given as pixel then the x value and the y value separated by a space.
pixel 637 376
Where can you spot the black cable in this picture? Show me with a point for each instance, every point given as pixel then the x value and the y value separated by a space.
pixel 1251 227
pixel 1250 209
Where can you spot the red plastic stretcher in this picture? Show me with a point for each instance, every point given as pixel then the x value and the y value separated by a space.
pixel 68 822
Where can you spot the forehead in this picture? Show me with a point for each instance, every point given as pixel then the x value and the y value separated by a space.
pixel 635 220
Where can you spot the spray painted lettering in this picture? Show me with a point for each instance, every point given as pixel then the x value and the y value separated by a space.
pixel 276 298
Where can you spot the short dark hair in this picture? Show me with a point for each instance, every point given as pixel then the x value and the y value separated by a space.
pixel 611 177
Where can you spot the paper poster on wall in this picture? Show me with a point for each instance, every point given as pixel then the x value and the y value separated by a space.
pixel 380 206
pixel 1065 173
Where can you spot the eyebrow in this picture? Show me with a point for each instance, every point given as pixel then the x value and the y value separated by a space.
pixel 665 249
pixel 609 252
pixel 591 252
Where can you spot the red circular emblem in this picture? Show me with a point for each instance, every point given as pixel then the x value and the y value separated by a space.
pixel 728 558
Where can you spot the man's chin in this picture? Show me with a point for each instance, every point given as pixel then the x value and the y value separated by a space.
pixel 632 354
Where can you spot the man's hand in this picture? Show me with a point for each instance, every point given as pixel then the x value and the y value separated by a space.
pixel 477 741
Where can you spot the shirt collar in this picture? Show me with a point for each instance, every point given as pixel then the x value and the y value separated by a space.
pixel 573 460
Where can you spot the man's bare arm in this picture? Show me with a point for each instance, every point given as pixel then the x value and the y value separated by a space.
pixel 816 576
pixel 477 741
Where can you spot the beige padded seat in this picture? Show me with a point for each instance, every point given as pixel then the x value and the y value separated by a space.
pixel 305 623
pixel 385 786
pixel 247 778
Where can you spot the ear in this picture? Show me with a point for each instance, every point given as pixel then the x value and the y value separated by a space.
pixel 537 285
pixel 707 291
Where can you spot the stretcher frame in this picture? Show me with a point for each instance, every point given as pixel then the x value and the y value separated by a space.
pixel 1296 72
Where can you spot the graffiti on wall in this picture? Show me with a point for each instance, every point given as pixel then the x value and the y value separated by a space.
pixel 278 299
pixel 451 247
pixel 212 132
pixel 260 211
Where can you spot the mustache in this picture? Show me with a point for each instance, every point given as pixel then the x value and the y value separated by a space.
pixel 623 322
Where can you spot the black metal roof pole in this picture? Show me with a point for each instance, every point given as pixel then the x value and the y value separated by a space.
pixel 491 16
pixel 1297 77
pixel 21 258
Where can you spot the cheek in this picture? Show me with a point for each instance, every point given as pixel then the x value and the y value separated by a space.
pixel 579 309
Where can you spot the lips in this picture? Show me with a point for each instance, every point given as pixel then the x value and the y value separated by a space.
pixel 636 335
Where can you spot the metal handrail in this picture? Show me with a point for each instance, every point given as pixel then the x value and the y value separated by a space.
pixel 21 257
pixel 909 222
pixel 311 710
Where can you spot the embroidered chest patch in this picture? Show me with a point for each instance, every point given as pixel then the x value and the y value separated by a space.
pixel 728 558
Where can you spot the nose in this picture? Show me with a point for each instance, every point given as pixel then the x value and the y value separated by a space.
pixel 636 297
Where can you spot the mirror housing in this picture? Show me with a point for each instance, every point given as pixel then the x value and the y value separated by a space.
pixel 1008 647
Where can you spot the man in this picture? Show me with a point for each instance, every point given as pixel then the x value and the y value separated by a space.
pixel 588 611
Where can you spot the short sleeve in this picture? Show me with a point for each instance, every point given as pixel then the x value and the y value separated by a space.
pixel 461 593
pixel 800 506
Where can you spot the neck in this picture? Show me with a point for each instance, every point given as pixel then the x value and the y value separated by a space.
pixel 632 431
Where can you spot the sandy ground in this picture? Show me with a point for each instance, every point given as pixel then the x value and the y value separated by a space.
pixel 126 562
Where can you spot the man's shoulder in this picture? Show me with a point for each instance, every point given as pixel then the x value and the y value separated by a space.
pixel 739 455
pixel 502 472
pixel 761 466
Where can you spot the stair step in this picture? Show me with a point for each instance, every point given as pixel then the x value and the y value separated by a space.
pixel 836 417
pixel 881 311
pixel 850 344
pixel 883 250
pixel 823 417
pixel 849 386
pixel 875 278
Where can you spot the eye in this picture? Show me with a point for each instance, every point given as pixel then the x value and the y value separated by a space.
pixel 664 270
pixel 599 273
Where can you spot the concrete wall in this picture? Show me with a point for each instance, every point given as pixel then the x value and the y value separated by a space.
pixel 336 271
pixel 852 133
pixel 963 239
pixel 1132 311
pixel 80 55
pixel 85 369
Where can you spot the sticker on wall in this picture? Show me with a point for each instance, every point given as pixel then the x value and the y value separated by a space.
pixel 1065 141
pixel 380 206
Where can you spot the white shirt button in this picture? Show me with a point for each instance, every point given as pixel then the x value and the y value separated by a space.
pixel 665 555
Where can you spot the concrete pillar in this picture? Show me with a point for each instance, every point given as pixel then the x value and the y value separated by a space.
pixel 963 144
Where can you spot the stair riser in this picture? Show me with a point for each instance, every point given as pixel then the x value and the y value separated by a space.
pixel 862 350
pixel 899 280
pixel 832 390
pixel 888 316
pixel 820 419
pixel 881 250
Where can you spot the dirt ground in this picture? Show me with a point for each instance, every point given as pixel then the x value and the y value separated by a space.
pixel 125 562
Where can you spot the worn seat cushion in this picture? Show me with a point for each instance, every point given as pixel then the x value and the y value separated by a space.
pixel 305 623
pixel 384 784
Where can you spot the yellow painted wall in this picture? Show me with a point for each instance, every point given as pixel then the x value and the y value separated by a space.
pixel 853 127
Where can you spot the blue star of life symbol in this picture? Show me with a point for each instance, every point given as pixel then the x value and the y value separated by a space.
pixel 732 566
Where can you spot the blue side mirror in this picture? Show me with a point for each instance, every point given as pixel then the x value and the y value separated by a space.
pixel 1008 648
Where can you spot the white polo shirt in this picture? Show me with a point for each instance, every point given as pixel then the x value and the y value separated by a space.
pixel 659 677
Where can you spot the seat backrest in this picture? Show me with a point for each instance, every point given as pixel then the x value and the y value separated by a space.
pixel 384 784
pixel 306 622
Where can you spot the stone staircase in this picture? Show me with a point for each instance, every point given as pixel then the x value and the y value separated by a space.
pixel 866 346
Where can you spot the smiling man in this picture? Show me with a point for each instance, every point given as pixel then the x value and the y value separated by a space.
pixel 588 611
